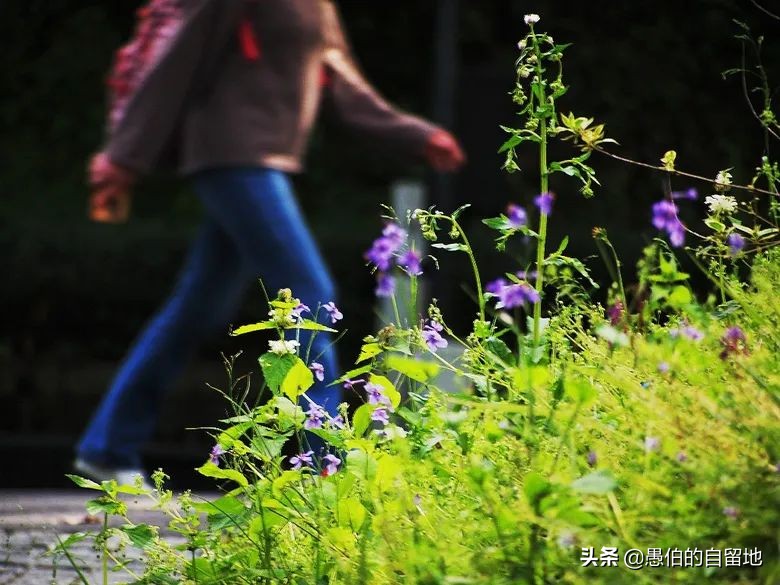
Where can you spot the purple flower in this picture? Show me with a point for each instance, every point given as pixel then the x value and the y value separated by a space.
pixel 216 452
pixel 333 312
pixel 350 384
pixel 383 248
pixel 736 244
pixel 545 203
pixel 375 394
pixel 385 285
pixel 314 415
pixel 318 370
pixel 652 444
pixel 494 286
pixel 567 540
pixel 688 331
pixel 516 295
pixel 682 457
pixel 301 459
pixel 664 368
pixel 331 465
pixel 691 194
pixel 516 216
pixel 731 511
pixel 665 218
pixel 615 313
pixel 337 422
pixel 432 335
pixel 733 341
pixel 410 261
pixel 526 274
pixel 298 311
pixel 381 415
pixel 592 458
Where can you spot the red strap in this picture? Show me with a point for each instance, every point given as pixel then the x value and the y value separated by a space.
pixel 250 44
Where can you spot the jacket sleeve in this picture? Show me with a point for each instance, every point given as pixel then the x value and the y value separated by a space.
pixel 358 105
pixel 140 137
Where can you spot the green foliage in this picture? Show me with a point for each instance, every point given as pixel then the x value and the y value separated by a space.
pixel 654 427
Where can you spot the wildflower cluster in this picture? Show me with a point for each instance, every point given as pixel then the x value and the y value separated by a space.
pixel 388 251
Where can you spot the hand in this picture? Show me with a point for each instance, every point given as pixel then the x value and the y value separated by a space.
pixel 111 190
pixel 443 152
pixel 103 171
pixel 110 204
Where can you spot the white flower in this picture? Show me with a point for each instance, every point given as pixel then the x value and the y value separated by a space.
pixel 282 317
pixel 282 347
pixel 530 19
pixel 721 204
pixel 723 179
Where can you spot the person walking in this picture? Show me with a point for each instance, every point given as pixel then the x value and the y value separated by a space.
pixel 230 90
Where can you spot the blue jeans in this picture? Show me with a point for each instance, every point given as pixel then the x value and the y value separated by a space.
pixel 253 228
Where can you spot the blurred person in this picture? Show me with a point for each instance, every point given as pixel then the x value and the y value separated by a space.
pixel 229 89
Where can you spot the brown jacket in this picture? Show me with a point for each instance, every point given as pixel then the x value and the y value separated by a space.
pixel 211 104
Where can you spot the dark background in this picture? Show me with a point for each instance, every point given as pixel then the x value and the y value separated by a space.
pixel 74 293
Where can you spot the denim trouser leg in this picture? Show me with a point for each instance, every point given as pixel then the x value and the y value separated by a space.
pixel 253 229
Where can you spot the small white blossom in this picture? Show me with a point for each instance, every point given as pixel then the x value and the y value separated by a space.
pixel 721 204
pixel 282 347
pixel 723 179
pixel 521 45
pixel 282 317
pixel 530 19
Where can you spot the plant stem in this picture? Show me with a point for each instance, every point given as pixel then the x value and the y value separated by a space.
pixel 679 173
pixel 544 183
pixel 105 549
pixel 474 268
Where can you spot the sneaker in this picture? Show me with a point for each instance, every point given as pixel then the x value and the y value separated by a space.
pixel 121 476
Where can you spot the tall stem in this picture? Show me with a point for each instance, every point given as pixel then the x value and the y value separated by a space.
pixel 474 268
pixel 544 183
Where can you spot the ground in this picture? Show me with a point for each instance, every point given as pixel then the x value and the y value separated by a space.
pixel 29 523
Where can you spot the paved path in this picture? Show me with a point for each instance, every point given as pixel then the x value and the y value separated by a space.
pixel 30 521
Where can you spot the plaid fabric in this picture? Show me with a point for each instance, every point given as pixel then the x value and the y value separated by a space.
pixel 158 23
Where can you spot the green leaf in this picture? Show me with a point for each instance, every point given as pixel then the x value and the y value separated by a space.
pixel 310 325
pixel 510 143
pixel 141 535
pixel 563 245
pixel 497 223
pixel 361 419
pixel 351 513
pixel 268 448
pixel 263 326
pixel 715 225
pixel 451 247
pixel 104 505
pixel 680 297
pixel 415 369
pixel 211 470
pixel 275 368
pixel 598 482
pixel 580 390
pixel 361 464
pixel 230 434
pixel 368 351
pixel 535 488
pixel 298 379
pixel 83 482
